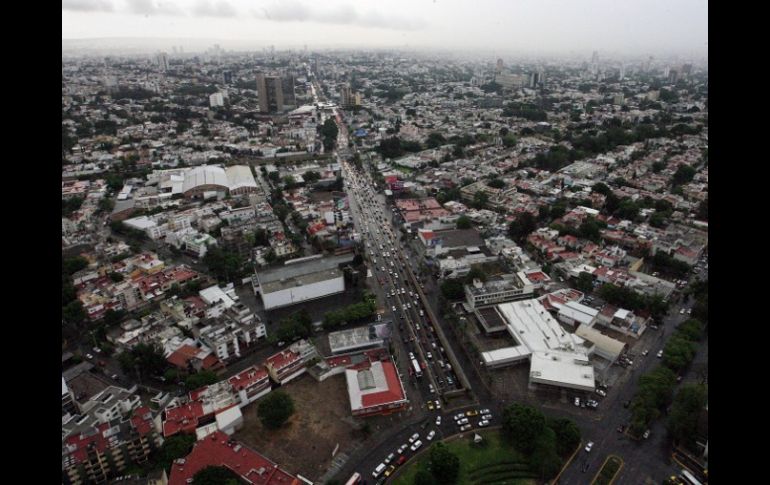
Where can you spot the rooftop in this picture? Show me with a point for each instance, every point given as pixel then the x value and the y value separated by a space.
pixel 306 272
pixel 373 384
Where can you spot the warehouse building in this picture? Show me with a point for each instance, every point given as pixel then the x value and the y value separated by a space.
pixel 374 386
pixel 359 338
pixel 557 357
pixel 303 280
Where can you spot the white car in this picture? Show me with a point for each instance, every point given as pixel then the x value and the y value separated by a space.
pixel 485 411
pixel 483 423
pixel 660 353
pixel 389 458
pixel 462 421
pixel 438 420
pixel 459 416
pixel 465 428
pixel 414 438
pixel 589 446
pixel 431 435
pixel 438 404
pixel 486 417
pixel 416 445
pixel 402 448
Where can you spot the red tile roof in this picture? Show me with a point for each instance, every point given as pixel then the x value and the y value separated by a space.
pixel 247 377
pixel 142 420
pixel 182 419
pixel 394 392
pixel 217 450
pixel 282 359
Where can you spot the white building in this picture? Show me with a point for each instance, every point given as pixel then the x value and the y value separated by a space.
pixel 309 279
pixel 216 99
pixel 557 357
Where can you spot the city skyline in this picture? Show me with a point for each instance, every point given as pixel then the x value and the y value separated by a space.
pixel 547 27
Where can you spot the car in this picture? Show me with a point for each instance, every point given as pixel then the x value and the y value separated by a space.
pixel 462 421
pixel 592 404
pixel 438 404
pixel 115 377
pixel 378 471
pixel 472 412
pixel 390 470
pixel 431 389
pixel 401 460
pixel 394 309
pixel 660 353
pixel 601 392
pixel 577 401
pixel 430 406
pixel 89 356
pixel 646 351
pixel 438 420
pixel 483 423
pixel 402 448
pixel 414 438
pixel 589 446
pixel 417 444
pixel 486 417
pixel 485 411
pixel 431 434
pixel 429 355
pixel 646 434
pixel 97 350
pixel 681 312
pixel 621 428
pixel 689 311
pixel 459 416
pixel 389 458
pixel 465 428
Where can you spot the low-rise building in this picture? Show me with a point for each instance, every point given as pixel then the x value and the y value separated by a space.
pixel 499 289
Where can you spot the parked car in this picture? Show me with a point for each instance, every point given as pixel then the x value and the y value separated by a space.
pixel 601 392
pixel 646 351
pixel 589 446
pixel 462 421
pixel 472 412
pixel 483 423
pixel 431 434
pixel 485 411
pixel 438 420
pixel 459 416
pixel 401 460
pixel 389 458
pixel 660 353
pixel 438 404
pixel 465 428
pixel 414 437
pixel 390 470
pixel 646 434
pixel 402 448
pixel 486 416
pixel 577 401
pixel 417 444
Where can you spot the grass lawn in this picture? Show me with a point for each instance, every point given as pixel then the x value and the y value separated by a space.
pixel 491 462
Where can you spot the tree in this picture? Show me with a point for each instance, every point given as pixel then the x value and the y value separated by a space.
pixel 71 266
pixel 424 477
pixel 567 435
pixel 145 359
pixel 496 183
pixel 452 289
pixel 116 277
pixel 463 222
pixel 222 263
pixel 685 411
pixel 311 176
pixel 522 425
pixel 113 317
pixel 684 174
pixel 175 447
pixel 275 409
pixel 585 282
pixel 522 226
pixel 601 188
pixel 216 475
pixel 444 465
pixel 201 379
pixel 509 141
pixel 590 229
pixel 544 457
pixel 74 313
pixel 480 199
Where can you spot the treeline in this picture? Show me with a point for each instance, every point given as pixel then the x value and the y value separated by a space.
pixel 350 314
pixel 656 388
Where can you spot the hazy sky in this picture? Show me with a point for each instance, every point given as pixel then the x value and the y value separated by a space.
pixel 624 26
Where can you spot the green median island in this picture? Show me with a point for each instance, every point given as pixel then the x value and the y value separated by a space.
pixel 609 470
pixel 489 462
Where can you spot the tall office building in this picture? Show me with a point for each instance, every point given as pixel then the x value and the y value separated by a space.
pixel 622 72
pixel 289 95
pixel 499 66
pixel 270 92
pixel 346 96
pixel 162 59
pixel 595 58
pixel 227 77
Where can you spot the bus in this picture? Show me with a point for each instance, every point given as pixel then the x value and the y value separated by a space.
pixel 354 480
pixel 417 370
pixel 689 478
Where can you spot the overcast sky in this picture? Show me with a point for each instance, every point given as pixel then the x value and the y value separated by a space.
pixel 538 26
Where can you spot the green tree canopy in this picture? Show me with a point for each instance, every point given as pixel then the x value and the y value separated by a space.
pixel 216 475
pixel 567 435
pixel 444 465
pixel 522 226
pixel 424 477
pixel 544 458
pixel 452 289
pixel 585 282
pixel 175 447
pixel 685 411
pixel 463 222
pixel 522 425
pixel 200 379
pixel 275 409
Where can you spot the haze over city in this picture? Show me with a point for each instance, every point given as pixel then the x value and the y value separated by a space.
pixel 650 27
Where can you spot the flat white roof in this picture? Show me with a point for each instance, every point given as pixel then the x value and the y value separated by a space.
pixel 578 312
pixel 141 222
pixel 239 176
pixel 506 354
pixel 565 369
pixel 557 357
pixel 214 294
